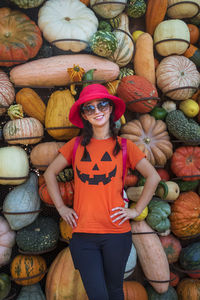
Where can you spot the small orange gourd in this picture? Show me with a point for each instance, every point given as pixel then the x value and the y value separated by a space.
pixel 65 230
pixel 194 33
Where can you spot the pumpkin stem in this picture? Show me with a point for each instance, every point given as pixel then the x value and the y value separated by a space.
pixel 147 140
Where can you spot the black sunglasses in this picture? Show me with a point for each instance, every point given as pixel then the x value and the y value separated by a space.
pixel 90 109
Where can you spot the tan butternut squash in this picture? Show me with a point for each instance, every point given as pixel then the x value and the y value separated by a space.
pixel 52 71
pixel 155 14
pixel 56 119
pixel 151 255
pixel 31 103
pixel 144 63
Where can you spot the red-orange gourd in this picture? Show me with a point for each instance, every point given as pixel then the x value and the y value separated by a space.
pixel 134 290
pixel 194 33
pixel 20 37
pixel 66 190
pixel 184 217
pixel 185 161
pixel 139 94
pixel 174 279
pixel 155 14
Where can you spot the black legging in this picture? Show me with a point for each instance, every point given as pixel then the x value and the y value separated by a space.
pixel 101 260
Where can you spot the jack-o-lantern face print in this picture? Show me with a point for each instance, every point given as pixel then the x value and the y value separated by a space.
pixel 97 173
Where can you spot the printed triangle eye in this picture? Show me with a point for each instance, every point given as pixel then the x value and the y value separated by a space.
pixel 87 158
pixel 106 157
pixel 95 167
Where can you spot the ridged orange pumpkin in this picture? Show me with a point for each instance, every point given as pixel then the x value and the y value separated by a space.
pixel 7 92
pixel 184 217
pixel 66 190
pixel 188 289
pixel 56 119
pixel 194 33
pixel 31 103
pixel 134 290
pixel 20 37
pixel 139 94
pixel 151 136
pixel 63 280
pixel 44 153
pixel 185 161
pixel 23 131
pixel 28 269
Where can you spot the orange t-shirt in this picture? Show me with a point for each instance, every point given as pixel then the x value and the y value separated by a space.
pixel 98 183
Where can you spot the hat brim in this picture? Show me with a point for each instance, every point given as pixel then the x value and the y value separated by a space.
pixel 74 114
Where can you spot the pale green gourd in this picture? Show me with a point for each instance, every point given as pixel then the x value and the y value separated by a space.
pixel 23 198
pixel 31 292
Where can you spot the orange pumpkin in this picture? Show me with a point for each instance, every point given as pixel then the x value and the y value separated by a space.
pixel 184 217
pixel 63 281
pixel 139 94
pixel 134 290
pixel 188 289
pixel 28 269
pixel 66 190
pixel 185 161
pixel 194 33
pixel 151 136
pixel 20 37
pixel 65 230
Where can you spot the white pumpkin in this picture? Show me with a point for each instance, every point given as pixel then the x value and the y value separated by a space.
pixel 108 10
pixel 67 19
pixel 7 241
pixel 22 199
pixel 7 92
pixel 14 165
pixel 179 9
pixel 124 52
pixel 131 262
pixel 178 33
pixel 177 71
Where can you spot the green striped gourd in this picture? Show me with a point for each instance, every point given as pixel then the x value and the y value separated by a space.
pixel 103 43
pixel 28 3
pixel 125 48
pixel 136 8
pixel 123 72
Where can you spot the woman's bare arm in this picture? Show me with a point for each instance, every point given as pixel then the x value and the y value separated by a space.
pixel 58 164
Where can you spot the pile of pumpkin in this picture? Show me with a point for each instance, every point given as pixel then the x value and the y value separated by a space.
pixel 146 52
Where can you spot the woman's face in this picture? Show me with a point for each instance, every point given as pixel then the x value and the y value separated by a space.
pixel 97 112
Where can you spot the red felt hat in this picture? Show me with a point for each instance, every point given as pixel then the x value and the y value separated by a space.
pixel 94 92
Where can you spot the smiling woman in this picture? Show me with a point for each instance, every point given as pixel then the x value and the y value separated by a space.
pixel 99 218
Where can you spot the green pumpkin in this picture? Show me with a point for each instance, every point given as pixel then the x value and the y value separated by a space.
pixel 169 295
pixel 103 25
pixel 41 235
pixel 5 285
pixel 103 43
pixel 23 198
pixel 190 257
pixel 158 214
pixel 159 113
pixel 136 8
pixel 123 72
pixel 31 292
pixel 66 174
pixel 28 3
